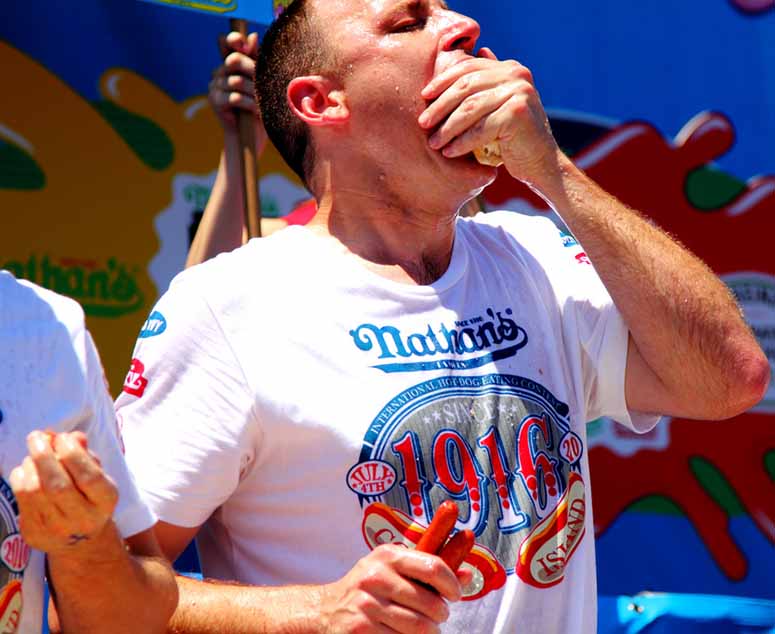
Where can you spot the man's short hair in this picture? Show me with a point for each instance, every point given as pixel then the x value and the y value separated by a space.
pixel 292 47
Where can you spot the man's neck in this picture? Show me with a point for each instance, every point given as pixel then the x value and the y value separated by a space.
pixel 405 243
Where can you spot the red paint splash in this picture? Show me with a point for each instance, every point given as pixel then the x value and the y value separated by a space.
pixel 753 6
pixel 736 447
pixel 649 172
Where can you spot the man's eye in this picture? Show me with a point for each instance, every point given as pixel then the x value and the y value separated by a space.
pixel 409 25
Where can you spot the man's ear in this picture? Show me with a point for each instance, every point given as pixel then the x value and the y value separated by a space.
pixel 317 101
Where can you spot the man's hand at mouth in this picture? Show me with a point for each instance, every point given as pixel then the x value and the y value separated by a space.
pixel 482 100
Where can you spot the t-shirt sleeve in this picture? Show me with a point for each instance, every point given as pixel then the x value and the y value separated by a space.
pixel 131 514
pixel 185 410
pixel 593 334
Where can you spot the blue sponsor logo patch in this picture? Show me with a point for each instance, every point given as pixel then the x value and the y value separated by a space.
pixel 567 239
pixel 153 326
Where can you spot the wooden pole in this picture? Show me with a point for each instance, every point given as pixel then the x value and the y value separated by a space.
pixel 246 126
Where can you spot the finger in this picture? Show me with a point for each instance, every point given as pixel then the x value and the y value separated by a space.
pixel 430 570
pixel 465 86
pixel 444 80
pixel 240 64
pixel 399 619
pixel 242 102
pixel 53 477
pixel 490 128
pixel 470 114
pixel 35 509
pixel 17 481
pixel 465 575
pixel 80 438
pixel 486 53
pixel 87 476
pixel 251 47
pixel 238 83
pixel 421 600
pixel 235 41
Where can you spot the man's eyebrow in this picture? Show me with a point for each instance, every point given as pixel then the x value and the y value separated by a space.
pixel 403 6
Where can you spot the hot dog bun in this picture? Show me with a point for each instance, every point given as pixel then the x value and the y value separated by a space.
pixel 490 154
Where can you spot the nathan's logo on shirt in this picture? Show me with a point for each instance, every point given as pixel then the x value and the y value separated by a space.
pixel 497 334
pixel 501 446
pixel 14 557
pixel 153 326
pixel 135 382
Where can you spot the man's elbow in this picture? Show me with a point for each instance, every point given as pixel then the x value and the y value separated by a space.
pixel 165 595
pixel 749 380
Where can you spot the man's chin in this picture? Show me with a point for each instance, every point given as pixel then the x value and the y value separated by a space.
pixel 470 165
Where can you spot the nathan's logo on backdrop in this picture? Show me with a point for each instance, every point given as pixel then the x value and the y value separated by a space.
pixel 154 325
pixel 103 289
pixel 497 334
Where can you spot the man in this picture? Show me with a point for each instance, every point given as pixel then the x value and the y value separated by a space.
pixel 306 426
pixel 71 497
pixel 222 227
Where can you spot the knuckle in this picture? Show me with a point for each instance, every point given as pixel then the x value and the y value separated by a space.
pixel 68 453
pixel 59 487
pixel 470 103
pixel 383 553
pixel 435 565
pixel 371 579
pixel 91 479
pixel 518 104
pixel 527 89
pixel 440 611
pixel 426 627
pixel 366 602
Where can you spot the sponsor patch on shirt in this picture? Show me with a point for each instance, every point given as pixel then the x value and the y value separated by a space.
pixel 135 381
pixel 155 325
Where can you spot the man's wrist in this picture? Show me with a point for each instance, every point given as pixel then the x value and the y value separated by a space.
pixel 104 548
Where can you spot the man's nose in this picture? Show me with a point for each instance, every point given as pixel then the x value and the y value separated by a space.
pixel 461 33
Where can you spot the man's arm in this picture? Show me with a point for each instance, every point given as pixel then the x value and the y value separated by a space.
pixel 381 594
pixel 690 352
pixel 100 583
pixel 222 227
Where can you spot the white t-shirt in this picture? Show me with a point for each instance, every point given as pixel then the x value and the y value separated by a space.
pixel 51 378
pixel 306 410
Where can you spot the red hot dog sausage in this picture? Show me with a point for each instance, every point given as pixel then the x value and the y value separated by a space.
pixel 457 549
pixel 439 529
